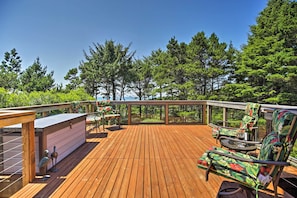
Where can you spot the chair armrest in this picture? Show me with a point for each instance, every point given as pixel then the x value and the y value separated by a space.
pixel 226 122
pixel 218 126
pixel 93 117
pixel 277 163
pixel 212 125
pixel 239 140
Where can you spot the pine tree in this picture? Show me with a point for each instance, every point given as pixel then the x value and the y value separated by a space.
pixel 268 63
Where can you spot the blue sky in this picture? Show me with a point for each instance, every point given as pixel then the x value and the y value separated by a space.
pixel 57 31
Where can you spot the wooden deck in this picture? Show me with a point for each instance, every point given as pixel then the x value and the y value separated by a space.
pixel 135 161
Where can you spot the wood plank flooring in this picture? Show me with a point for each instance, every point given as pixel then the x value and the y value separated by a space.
pixel 135 161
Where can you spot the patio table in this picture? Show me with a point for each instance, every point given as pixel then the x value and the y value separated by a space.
pixel 238 146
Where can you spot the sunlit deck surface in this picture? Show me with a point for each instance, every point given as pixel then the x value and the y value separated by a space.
pixel 135 161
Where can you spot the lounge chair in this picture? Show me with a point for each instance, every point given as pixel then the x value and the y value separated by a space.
pixel 256 173
pixel 247 124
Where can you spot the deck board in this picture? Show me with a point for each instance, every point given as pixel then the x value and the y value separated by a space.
pixel 136 161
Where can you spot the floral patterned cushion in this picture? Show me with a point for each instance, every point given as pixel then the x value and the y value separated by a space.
pixel 274 148
pixel 247 123
pixel 104 110
pixel 281 122
pixel 226 131
pixel 252 109
pixel 103 103
pixel 234 169
pixel 104 107
pixel 266 151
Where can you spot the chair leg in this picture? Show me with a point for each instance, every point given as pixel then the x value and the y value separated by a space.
pixel 275 182
pixel 217 138
pixel 208 170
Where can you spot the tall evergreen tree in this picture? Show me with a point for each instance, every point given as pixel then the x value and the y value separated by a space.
pixel 161 72
pixel 268 63
pixel 72 76
pixel 10 69
pixel 197 56
pixel 36 78
pixel 125 70
pixel 141 79
pixel 208 64
pixel 217 63
pixel 106 69
pixel 91 70
pixel 177 58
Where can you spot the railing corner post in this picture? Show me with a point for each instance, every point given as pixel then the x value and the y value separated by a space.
pixel 208 112
pixel 225 116
pixel 166 113
pixel 129 114
pixel 28 134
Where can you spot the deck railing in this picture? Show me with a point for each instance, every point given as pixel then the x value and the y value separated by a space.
pixel 132 112
pixel 164 111
pixel 27 166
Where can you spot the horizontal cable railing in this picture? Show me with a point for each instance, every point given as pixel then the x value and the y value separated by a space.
pixel 11 161
pixel 15 156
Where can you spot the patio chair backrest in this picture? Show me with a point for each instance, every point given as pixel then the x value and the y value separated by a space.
pixel 104 107
pixel 285 125
pixel 251 116
pixel 252 109
pixel 276 146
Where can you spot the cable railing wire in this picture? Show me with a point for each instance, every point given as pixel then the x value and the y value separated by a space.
pixel 11 149
pixel 10 175
pixel 10 141
pixel 12 183
pixel 8 159
pixel 10 167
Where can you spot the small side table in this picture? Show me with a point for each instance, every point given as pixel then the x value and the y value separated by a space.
pixel 238 146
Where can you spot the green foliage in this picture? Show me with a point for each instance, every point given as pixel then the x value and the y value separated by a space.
pixel 141 79
pixel 17 100
pixel 74 79
pixel 191 71
pixel 8 99
pixel 262 122
pixel 35 78
pixel 77 95
pixel 4 97
pixel 106 69
pixel 238 92
pixel 268 61
pixel 47 97
pixel 9 70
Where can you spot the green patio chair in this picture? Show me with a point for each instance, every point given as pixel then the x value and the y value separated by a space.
pixel 247 124
pixel 256 173
pixel 102 108
pixel 107 113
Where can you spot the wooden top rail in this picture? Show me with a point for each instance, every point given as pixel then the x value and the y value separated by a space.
pixel 49 107
pixel 225 104
pixel 9 117
pixel 160 102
